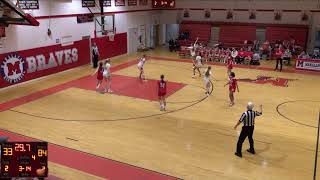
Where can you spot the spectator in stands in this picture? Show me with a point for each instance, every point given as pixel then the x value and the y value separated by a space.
pixel 95 54
pixel 241 56
pixel 220 45
pixel 303 55
pixel 176 45
pixel 316 54
pixel 287 56
pixel 171 45
pixel 277 44
pixel 245 44
pixel 247 60
pixel 256 45
pixel 266 49
pixel 285 44
pixel 234 54
pixel 292 41
pixel 255 59
pixel 278 55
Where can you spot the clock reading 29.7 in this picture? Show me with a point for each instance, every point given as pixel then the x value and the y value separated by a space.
pixel 24 159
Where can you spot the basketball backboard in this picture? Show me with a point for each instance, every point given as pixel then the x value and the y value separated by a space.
pixel 11 14
pixel 104 25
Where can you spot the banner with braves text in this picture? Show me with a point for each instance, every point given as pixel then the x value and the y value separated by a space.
pixel 21 66
pixel 308 64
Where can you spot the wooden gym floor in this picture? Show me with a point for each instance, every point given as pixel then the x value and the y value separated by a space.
pixel 193 140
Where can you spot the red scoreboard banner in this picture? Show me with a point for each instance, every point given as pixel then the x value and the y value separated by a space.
pixel 163 3
pixel 24 159
pixel 132 2
pixel 120 2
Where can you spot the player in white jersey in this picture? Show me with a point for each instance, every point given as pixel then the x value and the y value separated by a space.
pixel 197 64
pixel 141 65
pixel 107 75
pixel 193 49
pixel 207 77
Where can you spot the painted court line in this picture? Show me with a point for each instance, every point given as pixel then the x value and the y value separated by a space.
pixel 125 86
pixel 98 166
pixel 46 92
pixel 131 87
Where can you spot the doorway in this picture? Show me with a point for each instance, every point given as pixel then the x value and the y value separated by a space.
pixel 133 40
pixel 155 36
pixel 261 34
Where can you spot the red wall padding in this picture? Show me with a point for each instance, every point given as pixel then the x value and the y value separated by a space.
pixel 16 68
pixel 21 66
pixel 203 31
pixel 236 34
pixel 109 48
pixel 282 33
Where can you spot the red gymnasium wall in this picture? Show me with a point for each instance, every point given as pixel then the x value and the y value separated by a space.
pixel 300 34
pixel 201 30
pixel 236 34
pixel 21 66
pixel 109 48
pixel 233 33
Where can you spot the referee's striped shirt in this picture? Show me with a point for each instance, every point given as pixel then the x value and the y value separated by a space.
pixel 248 117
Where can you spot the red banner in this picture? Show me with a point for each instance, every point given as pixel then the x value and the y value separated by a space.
pixel 163 3
pixel 308 64
pixel 132 2
pixel 106 3
pixel 120 2
pixel 21 66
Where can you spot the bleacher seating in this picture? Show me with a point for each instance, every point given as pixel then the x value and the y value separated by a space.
pixel 196 30
pixel 234 35
pixel 300 34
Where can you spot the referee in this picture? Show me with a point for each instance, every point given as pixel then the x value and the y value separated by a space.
pixel 247 119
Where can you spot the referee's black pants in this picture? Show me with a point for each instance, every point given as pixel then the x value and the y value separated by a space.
pixel 95 61
pixel 246 131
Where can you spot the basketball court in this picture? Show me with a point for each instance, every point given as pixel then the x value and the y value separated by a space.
pixel 123 135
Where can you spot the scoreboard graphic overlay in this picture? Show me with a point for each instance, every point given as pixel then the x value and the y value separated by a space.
pixel 24 159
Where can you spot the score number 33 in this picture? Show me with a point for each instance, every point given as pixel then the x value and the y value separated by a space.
pixel 7 151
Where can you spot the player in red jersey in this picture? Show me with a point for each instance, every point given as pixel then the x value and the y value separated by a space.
pixel 99 72
pixel 162 91
pixel 229 65
pixel 233 85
